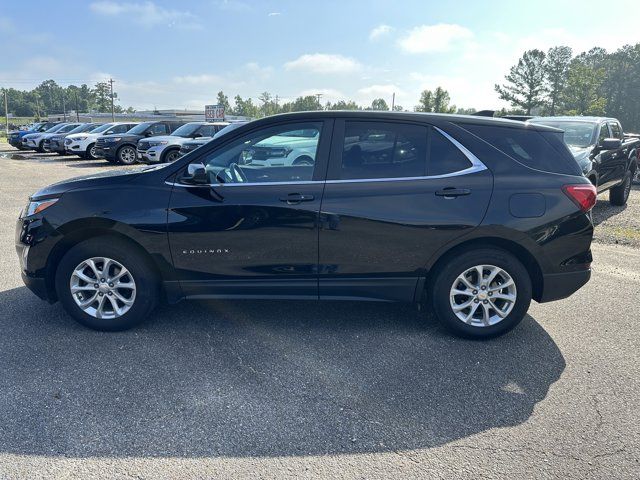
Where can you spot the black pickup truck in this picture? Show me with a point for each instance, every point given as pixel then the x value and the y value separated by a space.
pixel 606 156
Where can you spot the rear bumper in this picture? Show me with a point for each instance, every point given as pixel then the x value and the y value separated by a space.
pixel 557 286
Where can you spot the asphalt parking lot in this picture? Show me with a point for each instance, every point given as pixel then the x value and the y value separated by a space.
pixel 306 389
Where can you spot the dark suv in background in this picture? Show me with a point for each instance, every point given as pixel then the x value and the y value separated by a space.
pixel 121 148
pixel 474 216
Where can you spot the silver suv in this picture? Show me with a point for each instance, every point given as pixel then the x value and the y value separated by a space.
pixel 166 148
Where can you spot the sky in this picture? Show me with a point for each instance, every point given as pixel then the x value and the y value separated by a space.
pixel 179 54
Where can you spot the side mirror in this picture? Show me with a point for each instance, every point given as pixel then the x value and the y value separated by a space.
pixel 196 174
pixel 148 133
pixel 610 144
pixel 197 135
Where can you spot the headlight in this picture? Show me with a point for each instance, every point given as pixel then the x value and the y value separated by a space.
pixel 34 207
pixel 155 144
pixel 115 139
pixel 79 139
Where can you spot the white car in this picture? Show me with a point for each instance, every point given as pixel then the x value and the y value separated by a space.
pixel 35 141
pixel 166 148
pixel 297 147
pixel 83 144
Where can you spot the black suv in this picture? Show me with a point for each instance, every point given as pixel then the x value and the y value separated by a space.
pixel 394 206
pixel 121 148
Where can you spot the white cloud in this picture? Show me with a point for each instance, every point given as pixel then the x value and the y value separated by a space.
pixel 434 38
pixel 274 14
pixel 380 90
pixel 201 79
pixel 147 14
pixel 258 71
pixel 380 31
pixel 323 63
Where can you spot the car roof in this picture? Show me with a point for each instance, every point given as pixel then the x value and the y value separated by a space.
pixel 404 116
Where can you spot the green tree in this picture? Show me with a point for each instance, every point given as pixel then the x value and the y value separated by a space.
pixel 223 100
pixel 525 85
pixel 102 93
pixel 268 106
pixel 426 102
pixel 582 94
pixel 379 104
pixel 556 67
pixel 245 108
pixel 436 101
pixel 343 105
pixel 302 104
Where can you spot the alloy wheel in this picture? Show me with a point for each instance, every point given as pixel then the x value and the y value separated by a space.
pixel 483 295
pixel 127 155
pixel 103 288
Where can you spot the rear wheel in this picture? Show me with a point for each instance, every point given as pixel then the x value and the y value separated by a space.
pixel 620 193
pixel 481 293
pixel 636 175
pixel 106 285
pixel 126 155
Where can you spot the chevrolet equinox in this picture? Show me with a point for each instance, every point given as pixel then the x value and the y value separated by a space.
pixel 473 216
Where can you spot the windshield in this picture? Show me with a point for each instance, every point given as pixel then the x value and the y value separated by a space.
pixel 576 134
pixel 228 128
pixel 186 129
pixel 102 128
pixel 79 129
pixel 68 128
pixel 56 128
pixel 139 129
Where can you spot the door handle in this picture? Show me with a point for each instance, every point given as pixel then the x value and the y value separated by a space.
pixel 451 192
pixel 294 198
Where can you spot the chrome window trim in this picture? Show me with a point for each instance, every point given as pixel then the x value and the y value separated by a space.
pixel 476 166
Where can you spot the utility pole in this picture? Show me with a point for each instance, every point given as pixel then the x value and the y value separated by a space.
pixel 276 100
pixel 77 107
pixel 6 111
pixel 318 95
pixel 393 101
pixel 113 115
pixel 64 107
pixel 38 106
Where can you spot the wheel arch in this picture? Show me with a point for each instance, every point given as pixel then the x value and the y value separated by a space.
pixel 520 252
pixel 167 151
pixel 81 231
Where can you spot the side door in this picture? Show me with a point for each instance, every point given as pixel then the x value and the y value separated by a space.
pixel 621 155
pixel 395 193
pixel 157 129
pixel 605 159
pixel 253 230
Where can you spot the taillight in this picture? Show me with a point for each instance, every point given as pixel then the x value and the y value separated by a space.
pixel 583 195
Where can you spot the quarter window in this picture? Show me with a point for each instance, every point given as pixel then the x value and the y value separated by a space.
pixel 383 150
pixel 284 153
pixel 444 156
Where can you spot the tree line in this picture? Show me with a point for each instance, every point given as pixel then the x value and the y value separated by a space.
pixel 51 98
pixel 591 83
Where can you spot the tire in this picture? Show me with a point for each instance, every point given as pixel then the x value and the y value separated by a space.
pixel 482 323
pixel 171 156
pixel 126 155
pixel 90 152
pixel 619 194
pixel 304 160
pixel 62 154
pixel 636 176
pixel 143 297
pixel 40 147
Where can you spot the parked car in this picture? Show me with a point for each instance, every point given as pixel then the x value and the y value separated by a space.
pixel 166 148
pixel 121 148
pixel 296 148
pixel 84 144
pixel 635 136
pixel 190 145
pixel 15 137
pixel 605 156
pixel 475 226
pixel 35 141
pixel 55 143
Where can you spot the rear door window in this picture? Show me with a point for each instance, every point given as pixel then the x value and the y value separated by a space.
pixel 158 129
pixel 538 149
pixel 616 131
pixel 383 150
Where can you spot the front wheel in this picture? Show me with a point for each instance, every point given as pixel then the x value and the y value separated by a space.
pixel 90 152
pixel 620 193
pixel 106 285
pixel 481 293
pixel 171 156
pixel 126 155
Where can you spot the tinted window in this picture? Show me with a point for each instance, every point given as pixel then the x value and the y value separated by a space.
pixel 383 150
pixel 444 156
pixel 604 133
pixel 119 129
pixel 158 129
pixel 542 150
pixel 616 131
pixel 274 154
pixel 207 130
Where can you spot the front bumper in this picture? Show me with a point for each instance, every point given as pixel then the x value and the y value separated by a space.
pixel 152 155
pixel 15 141
pixel 106 151
pixel 557 286
pixel 33 257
